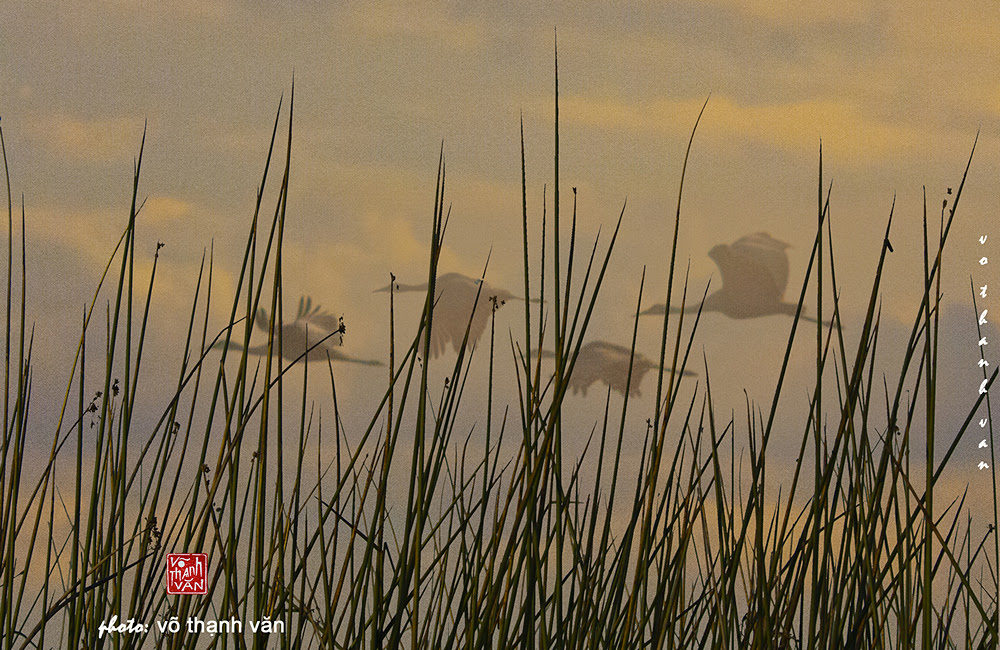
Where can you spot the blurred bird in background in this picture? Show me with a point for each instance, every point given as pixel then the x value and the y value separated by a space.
pixel 608 363
pixel 454 300
pixel 312 328
pixel 754 272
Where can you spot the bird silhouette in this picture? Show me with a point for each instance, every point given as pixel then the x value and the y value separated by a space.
pixel 608 362
pixel 454 300
pixel 311 327
pixel 754 272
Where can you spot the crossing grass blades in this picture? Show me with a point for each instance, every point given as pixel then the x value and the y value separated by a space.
pixel 491 550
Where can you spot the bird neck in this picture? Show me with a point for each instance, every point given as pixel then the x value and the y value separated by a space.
pixel 260 350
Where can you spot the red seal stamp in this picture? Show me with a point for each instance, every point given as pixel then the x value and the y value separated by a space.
pixel 187 573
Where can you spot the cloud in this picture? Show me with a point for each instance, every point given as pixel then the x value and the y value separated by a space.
pixel 431 21
pixel 70 248
pixel 158 209
pixel 201 9
pixel 88 140
pixel 792 126
pixel 801 14
pixel 92 233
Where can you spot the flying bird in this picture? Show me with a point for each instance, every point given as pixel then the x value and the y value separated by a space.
pixel 312 328
pixel 454 300
pixel 754 272
pixel 608 362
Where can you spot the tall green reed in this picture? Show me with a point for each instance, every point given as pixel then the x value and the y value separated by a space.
pixel 491 549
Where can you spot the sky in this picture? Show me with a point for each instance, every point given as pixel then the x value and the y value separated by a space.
pixel 896 94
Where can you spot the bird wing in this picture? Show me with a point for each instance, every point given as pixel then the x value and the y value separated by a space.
pixel 321 321
pixel 454 299
pixel 617 359
pixel 453 310
pixel 261 321
pixel 610 352
pixel 754 265
pixel 451 319
pixel 316 318
pixel 770 253
pixel 312 325
pixel 311 334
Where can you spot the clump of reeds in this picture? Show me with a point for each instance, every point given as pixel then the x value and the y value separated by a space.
pixel 490 551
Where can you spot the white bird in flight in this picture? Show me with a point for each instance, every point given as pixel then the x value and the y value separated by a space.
pixel 311 327
pixel 454 299
pixel 754 272
pixel 608 362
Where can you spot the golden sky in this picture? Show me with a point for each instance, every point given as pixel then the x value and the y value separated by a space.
pixel 896 92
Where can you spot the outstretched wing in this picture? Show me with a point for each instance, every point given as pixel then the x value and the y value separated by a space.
pixel 261 321
pixel 455 297
pixel 323 321
pixel 754 266
pixel 316 318
pixel 314 326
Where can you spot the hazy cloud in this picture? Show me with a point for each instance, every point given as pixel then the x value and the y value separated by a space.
pixel 88 140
